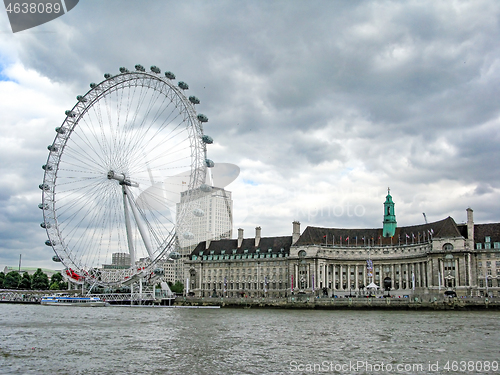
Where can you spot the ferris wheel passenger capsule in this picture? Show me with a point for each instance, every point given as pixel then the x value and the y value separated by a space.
pixel 140 68
pixel 155 69
pixel 207 139
pixel 52 148
pixel 43 206
pixel 210 163
pixel 50 243
pixel 198 212
pixel 205 188
pixel 81 98
pixel 175 254
pixel 71 113
pixel 183 85
pixel 60 130
pixel 194 100
pixel 188 235
pixel 46 167
pixel 170 75
pixel 202 118
pixel 45 226
pixel 44 187
pixel 55 258
pixel 124 70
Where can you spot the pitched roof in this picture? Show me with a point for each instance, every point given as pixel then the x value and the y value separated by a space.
pixel 445 228
pixel 487 230
pixel 276 244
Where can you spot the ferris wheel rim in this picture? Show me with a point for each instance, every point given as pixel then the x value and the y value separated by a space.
pixel 151 81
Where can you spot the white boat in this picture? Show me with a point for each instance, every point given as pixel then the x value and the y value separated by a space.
pixel 72 301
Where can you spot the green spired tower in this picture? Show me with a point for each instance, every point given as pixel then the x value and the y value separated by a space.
pixel 389 216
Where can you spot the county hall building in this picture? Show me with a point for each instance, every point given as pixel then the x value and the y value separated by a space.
pixel 439 257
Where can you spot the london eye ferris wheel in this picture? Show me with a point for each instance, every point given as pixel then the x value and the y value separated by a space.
pixel 106 190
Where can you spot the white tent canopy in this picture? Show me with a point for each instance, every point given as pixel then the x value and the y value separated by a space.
pixel 372 286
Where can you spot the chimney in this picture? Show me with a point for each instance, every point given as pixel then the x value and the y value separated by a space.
pixel 240 237
pixel 257 236
pixel 470 227
pixel 207 244
pixel 295 232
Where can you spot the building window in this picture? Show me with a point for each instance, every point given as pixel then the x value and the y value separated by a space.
pixel 487 239
pixel 479 246
pixel 496 245
pixel 447 247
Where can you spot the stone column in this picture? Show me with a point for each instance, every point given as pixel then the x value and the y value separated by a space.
pixel 393 276
pixel 341 280
pixel 407 277
pixel 356 284
pixel 364 276
pixel 348 276
pixel 308 275
pixel 334 273
pixel 295 276
pixel 325 275
pixel 400 276
pixel 457 273
pixel 441 270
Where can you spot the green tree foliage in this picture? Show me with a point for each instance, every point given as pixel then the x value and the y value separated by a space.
pixel 12 280
pixel 40 280
pixel 178 287
pixel 56 278
pixel 2 279
pixel 25 282
pixel 57 283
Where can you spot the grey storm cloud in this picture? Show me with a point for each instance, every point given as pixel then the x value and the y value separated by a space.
pixel 336 97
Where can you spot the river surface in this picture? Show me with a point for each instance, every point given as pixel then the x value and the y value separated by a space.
pixel 125 340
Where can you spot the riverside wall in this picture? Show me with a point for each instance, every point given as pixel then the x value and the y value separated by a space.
pixel 424 302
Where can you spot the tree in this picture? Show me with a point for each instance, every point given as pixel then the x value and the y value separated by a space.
pixel 56 278
pixel 178 287
pixel 57 283
pixel 2 279
pixel 25 281
pixel 12 280
pixel 40 280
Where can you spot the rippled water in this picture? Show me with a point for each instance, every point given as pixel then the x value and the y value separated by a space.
pixel 122 340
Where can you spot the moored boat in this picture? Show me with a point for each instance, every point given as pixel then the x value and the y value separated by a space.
pixel 72 301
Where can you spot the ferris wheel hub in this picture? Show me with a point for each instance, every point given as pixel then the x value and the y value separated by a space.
pixel 121 178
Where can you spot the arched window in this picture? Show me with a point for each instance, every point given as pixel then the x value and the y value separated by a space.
pixel 447 247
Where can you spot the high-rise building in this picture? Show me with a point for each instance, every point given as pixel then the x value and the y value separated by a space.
pixel 208 216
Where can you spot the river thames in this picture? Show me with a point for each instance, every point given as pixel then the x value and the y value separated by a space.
pixel 124 340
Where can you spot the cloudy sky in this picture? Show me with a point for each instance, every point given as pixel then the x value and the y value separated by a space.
pixel 322 104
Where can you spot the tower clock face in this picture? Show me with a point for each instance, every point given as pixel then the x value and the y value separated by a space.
pixel 302 253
